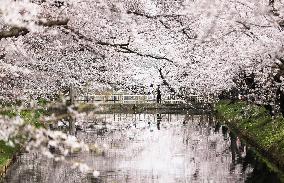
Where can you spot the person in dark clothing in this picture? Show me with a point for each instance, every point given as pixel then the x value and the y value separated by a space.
pixel 159 119
pixel 159 96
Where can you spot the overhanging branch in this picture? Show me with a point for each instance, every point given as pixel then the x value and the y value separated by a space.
pixel 157 17
pixel 152 16
pixel 14 32
pixel 165 82
pixel 124 48
pixel 20 31
pixel 51 23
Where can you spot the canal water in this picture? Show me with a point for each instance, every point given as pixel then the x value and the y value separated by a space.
pixel 151 148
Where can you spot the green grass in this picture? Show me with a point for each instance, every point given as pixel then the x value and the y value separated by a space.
pixel 256 124
pixel 42 102
pixel 8 112
pixel 33 116
pixel 6 153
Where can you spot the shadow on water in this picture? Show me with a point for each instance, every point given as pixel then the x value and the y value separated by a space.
pixel 157 147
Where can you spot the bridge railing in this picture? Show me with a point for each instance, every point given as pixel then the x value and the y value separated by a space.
pixel 138 99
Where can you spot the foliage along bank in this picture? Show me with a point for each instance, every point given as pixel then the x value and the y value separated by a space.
pixel 254 123
pixel 7 152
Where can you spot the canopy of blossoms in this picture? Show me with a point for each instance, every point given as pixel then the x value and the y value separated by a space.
pixel 48 45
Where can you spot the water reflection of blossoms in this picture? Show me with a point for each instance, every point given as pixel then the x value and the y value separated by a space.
pixel 52 144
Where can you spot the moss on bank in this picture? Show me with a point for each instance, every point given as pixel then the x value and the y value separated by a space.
pixel 254 123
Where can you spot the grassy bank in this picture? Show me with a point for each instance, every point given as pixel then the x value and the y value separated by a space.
pixel 254 123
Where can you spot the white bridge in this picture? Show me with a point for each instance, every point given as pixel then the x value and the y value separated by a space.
pixel 141 99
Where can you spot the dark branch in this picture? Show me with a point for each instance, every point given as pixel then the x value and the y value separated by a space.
pixel 281 23
pixel 244 25
pixel 164 24
pixel 20 31
pixel 2 56
pixel 151 17
pixel 183 30
pixel 76 34
pixel 122 45
pixel 280 59
pixel 124 48
pixel 14 32
pixel 261 26
pixel 51 23
pixel 165 82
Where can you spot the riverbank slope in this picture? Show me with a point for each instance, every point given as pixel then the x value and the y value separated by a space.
pixel 254 123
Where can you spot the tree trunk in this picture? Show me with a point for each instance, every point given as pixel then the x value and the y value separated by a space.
pixel 71 94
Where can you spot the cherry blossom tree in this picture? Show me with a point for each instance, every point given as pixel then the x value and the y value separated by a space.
pixel 196 46
pixel 193 44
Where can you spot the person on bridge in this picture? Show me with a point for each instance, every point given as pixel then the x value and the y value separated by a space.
pixel 159 95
